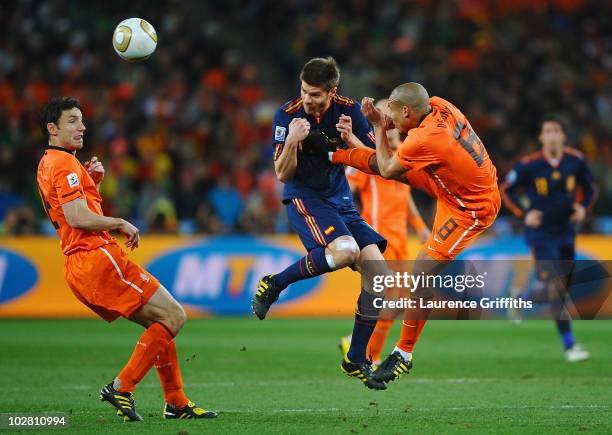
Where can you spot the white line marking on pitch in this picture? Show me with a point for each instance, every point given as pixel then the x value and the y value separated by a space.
pixel 454 408
pixel 343 381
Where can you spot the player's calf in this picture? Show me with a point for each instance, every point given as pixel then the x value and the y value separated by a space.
pixel 342 252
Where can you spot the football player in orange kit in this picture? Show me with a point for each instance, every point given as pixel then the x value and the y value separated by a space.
pixel 100 273
pixel 443 156
pixel 388 206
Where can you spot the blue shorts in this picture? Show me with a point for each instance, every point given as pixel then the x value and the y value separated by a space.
pixel 553 260
pixel 318 222
pixel 553 251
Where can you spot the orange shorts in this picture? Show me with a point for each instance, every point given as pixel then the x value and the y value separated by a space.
pixel 107 281
pixel 453 230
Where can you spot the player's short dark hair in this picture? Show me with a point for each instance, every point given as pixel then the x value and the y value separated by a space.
pixel 554 117
pixel 53 111
pixel 322 72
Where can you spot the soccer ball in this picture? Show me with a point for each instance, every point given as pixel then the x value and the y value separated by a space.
pixel 134 39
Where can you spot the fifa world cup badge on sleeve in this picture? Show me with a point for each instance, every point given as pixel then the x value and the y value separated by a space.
pixel 73 179
pixel 279 133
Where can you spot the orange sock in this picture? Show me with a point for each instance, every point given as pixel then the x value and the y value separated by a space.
pixel 169 372
pixel 358 158
pixel 378 338
pixel 154 340
pixel 409 335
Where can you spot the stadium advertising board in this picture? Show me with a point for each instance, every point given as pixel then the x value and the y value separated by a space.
pixel 215 276
pixel 17 275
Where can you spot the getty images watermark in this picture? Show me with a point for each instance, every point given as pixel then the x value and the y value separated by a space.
pixel 459 283
pixel 489 289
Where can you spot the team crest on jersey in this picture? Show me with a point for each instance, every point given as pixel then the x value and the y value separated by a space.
pixel 279 133
pixel 73 179
pixel 144 277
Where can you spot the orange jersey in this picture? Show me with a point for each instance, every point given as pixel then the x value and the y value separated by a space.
pixel 385 208
pixel 384 203
pixel 62 178
pixel 459 170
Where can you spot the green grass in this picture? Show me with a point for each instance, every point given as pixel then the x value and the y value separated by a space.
pixel 282 376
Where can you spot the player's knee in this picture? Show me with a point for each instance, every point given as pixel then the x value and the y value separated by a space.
pixel 175 318
pixel 180 316
pixel 345 252
pixel 351 254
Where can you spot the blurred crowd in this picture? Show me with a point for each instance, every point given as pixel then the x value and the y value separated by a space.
pixel 186 135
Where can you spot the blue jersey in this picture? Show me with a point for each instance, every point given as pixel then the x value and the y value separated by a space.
pixel 315 176
pixel 551 189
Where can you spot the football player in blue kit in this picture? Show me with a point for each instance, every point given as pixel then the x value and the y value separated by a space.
pixel 560 191
pixel 319 202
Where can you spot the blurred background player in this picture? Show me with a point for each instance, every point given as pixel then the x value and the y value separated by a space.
pixel 99 272
pixel 388 206
pixel 442 155
pixel 559 189
pixel 319 201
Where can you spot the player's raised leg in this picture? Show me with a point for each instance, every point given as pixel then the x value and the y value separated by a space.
pixel 318 261
pixel 326 252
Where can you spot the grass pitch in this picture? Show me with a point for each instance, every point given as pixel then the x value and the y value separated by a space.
pixel 283 376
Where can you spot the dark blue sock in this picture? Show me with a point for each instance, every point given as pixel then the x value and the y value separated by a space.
pixel 365 322
pixel 313 264
pixel 565 331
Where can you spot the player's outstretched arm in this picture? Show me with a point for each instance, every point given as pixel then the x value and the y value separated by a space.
pixel 79 216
